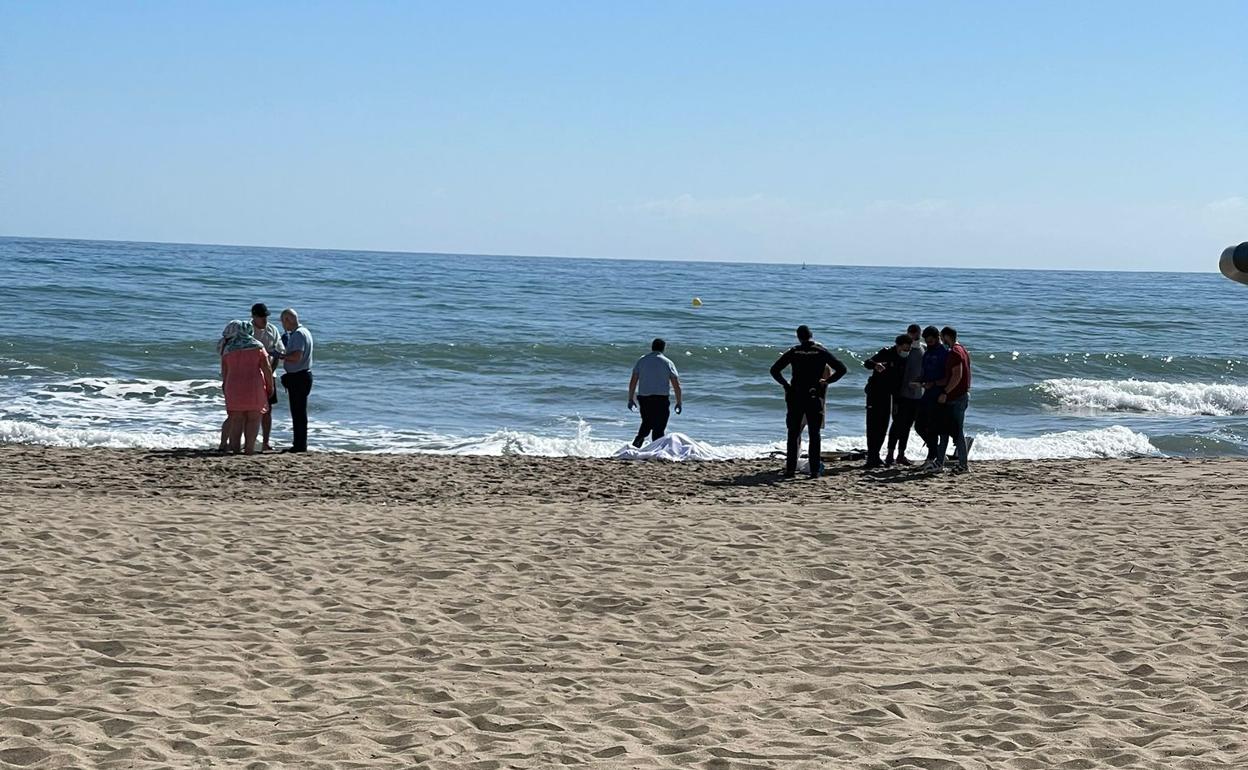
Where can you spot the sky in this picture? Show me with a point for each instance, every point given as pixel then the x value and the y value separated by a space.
pixel 1021 134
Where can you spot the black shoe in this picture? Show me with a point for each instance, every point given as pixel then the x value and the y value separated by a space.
pixel 873 462
pixel 293 450
pixel 888 462
pixel 786 474
pixel 903 460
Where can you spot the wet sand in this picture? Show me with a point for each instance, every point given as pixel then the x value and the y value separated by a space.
pixel 177 609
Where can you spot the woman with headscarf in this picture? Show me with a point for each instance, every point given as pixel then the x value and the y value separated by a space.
pixel 247 379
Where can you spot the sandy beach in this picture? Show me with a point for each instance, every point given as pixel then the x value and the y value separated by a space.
pixel 171 609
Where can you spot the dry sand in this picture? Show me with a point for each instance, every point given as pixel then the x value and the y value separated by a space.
pixel 171 609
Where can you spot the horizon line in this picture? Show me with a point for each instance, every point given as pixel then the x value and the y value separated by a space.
pixel 609 259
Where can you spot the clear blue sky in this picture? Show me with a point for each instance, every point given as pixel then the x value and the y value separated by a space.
pixel 1012 134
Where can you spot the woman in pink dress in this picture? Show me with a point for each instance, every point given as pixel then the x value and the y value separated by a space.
pixel 247 379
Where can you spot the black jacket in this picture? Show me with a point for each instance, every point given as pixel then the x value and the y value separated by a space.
pixel 892 379
pixel 807 361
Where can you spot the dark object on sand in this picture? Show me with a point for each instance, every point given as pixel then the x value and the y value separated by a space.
pixel 1234 263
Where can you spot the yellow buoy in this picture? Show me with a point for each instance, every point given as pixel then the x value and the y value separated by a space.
pixel 697 302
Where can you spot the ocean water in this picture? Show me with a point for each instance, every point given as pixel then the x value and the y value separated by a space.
pixel 112 344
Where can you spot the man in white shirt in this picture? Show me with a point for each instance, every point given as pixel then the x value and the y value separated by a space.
pixel 269 336
pixel 654 377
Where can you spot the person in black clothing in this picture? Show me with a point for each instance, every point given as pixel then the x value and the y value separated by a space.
pixel 803 396
pixel 888 369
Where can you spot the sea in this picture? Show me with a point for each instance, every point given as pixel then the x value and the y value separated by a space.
pixel 112 344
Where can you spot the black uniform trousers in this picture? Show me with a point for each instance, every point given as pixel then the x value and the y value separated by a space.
pixel 809 407
pixel 298 386
pixel 879 411
pixel 655 412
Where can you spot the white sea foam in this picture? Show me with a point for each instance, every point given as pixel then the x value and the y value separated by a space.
pixel 162 414
pixel 1176 398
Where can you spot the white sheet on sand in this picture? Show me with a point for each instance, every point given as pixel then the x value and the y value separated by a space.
pixel 675 447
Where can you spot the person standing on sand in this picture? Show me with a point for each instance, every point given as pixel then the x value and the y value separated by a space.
pixel 803 396
pixel 888 368
pixel 654 377
pixel 297 379
pixel 928 422
pixel 271 338
pixel 954 400
pixel 247 380
pixel 906 405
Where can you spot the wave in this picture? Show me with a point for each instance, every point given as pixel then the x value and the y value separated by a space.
pixel 1113 442
pixel 1173 398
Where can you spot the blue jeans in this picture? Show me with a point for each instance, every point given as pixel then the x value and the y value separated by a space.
pixel 952 424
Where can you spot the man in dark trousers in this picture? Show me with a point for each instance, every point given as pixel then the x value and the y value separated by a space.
pixel 803 396
pixel 888 370
pixel 297 361
pixel 654 377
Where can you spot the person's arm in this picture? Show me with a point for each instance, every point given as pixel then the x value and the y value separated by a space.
pixel 838 369
pixel 279 347
pixel 294 352
pixel 632 388
pixel 952 380
pixel 270 386
pixel 777 369
pixel 676 387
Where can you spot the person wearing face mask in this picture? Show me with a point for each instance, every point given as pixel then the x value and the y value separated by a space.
pixel 906 405
pixel 888 368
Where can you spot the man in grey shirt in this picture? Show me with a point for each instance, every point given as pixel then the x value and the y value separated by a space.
pixel 654 376
pixel 297 363
pixel 906 405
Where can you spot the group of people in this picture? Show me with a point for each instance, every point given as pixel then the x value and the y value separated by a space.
pixel 921 382
pixel 250 353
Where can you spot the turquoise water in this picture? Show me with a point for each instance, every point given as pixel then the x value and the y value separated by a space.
pixel 109 343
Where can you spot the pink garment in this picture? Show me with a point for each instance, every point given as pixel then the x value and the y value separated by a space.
pixel 244 381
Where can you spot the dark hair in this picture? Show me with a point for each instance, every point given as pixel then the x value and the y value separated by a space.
pixel 931 331
pixel 950 332
pixel 260 310
pixel 903 339
pixel 658 345
pixel 912 328
pixel 803 333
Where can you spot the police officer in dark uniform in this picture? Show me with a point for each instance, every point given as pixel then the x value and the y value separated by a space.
pixel 888 369
pixel 804 395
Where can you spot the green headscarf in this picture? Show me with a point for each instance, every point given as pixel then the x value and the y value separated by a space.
pixel 237 337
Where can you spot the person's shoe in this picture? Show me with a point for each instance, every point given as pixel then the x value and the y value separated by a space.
pixel 959 470
pixel 888 461
pixel 293 450
pixel 637 442
pixel 788 474
pixel 873 462
pixel 930 466
pixel 903 460
pixel 816 471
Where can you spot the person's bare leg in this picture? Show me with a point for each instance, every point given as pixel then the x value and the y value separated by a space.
pixel 238 421
pixel 250 430
pixel 226 425
pixel 266 426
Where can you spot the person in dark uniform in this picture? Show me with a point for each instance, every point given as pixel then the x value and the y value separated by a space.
pixel 888 370
pixel 803 396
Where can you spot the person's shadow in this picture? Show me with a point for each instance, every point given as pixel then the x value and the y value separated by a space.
pixel 184 453
pixel 774 478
